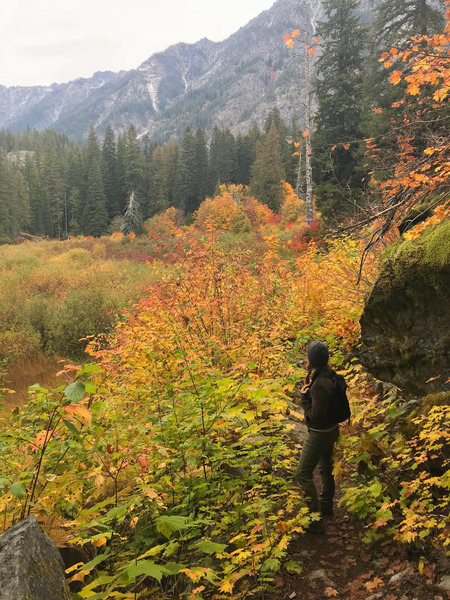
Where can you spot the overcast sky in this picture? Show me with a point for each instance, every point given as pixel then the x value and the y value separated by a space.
pixel 46 41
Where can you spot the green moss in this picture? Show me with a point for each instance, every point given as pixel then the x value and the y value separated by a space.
pixel 406 264
pixel 437 245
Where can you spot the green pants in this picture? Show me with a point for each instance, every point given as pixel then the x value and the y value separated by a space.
pixel 317 451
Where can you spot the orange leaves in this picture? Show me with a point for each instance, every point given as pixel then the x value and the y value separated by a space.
pixel 395 77
pixel 311 50
pixel 377 110
pixel 305 134
pixel 289 43
pixel 346 146
pixel 287 37
pixel 375 583
pixel 295 33
pixel 79 412
pixel 330 592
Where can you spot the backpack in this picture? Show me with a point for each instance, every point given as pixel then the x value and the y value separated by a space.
pixel 340 407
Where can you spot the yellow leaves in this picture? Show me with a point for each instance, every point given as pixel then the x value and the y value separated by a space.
pixel 226 586
pixel 395 77
pixel 97 543
pixel 289 43
pixel 196 573
pixel 78 412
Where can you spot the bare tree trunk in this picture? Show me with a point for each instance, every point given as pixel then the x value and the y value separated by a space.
pixel 308 150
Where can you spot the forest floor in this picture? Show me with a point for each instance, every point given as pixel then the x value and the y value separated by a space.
pixel 338 564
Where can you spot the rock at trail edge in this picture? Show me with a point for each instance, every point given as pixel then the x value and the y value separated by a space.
pixel 31 567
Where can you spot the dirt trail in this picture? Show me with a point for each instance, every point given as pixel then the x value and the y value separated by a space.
pixel 339 565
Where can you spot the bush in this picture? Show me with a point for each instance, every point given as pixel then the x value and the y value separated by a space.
pixel 84 313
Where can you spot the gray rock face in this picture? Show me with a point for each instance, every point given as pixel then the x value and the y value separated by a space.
pixel 31 567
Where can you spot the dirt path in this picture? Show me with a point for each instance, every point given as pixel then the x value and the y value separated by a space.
pixel 339 565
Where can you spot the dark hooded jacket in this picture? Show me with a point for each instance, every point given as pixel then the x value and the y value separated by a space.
pixel 316 403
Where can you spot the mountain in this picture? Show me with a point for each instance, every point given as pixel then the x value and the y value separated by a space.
pixel 229 84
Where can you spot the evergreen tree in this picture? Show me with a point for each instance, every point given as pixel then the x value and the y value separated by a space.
pixel 109 173
pixel 158 192
pixel 214 161
pixel 245 157
pixel 289 165
pixel 14 201
pixel 95 216
pixel 37 208
pixel 171 159
pixel 201 165
pixel 397 21
pixel 189 193
pixel 222 159
pixel 53 191
pixel 267 170
pixel 339 92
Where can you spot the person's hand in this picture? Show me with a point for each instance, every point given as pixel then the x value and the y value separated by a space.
pixel 305 388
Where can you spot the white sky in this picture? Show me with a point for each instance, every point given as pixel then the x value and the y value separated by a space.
pixel 46 41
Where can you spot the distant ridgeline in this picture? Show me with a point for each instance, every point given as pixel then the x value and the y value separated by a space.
pixel 244 103
pixel 229 84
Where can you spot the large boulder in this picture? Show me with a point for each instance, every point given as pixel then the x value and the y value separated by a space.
pixel 405 326
pixel 31 568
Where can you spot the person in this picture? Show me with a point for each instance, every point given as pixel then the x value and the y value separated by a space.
pixel 315 398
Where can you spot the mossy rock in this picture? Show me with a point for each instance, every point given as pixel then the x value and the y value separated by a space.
pixel 405 326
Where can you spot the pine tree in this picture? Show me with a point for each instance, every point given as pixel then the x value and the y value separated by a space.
pixel 158 192
pixel 95 216
pixel 339 92
pixel 189 194
pixel 109 172
pixel 397 21
pixel 201 165
pixel 267 170
pixel 171 158
pixel 289 165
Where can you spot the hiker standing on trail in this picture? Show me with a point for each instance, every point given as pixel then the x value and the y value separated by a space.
pixel 316 399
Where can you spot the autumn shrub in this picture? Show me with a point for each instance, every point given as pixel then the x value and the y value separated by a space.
pixel 313 233
pixel 292 208
pixel 83 313
pixel 395 469
pixel 196 479
pixel 233 209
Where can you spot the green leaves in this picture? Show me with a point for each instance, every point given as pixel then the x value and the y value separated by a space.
pixel 169 524
pixel 75 391
pixel 209 547
pixel 144 567
pixel 18 490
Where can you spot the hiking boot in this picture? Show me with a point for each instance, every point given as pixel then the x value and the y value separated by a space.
pixel 326 509
pixel 315 527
